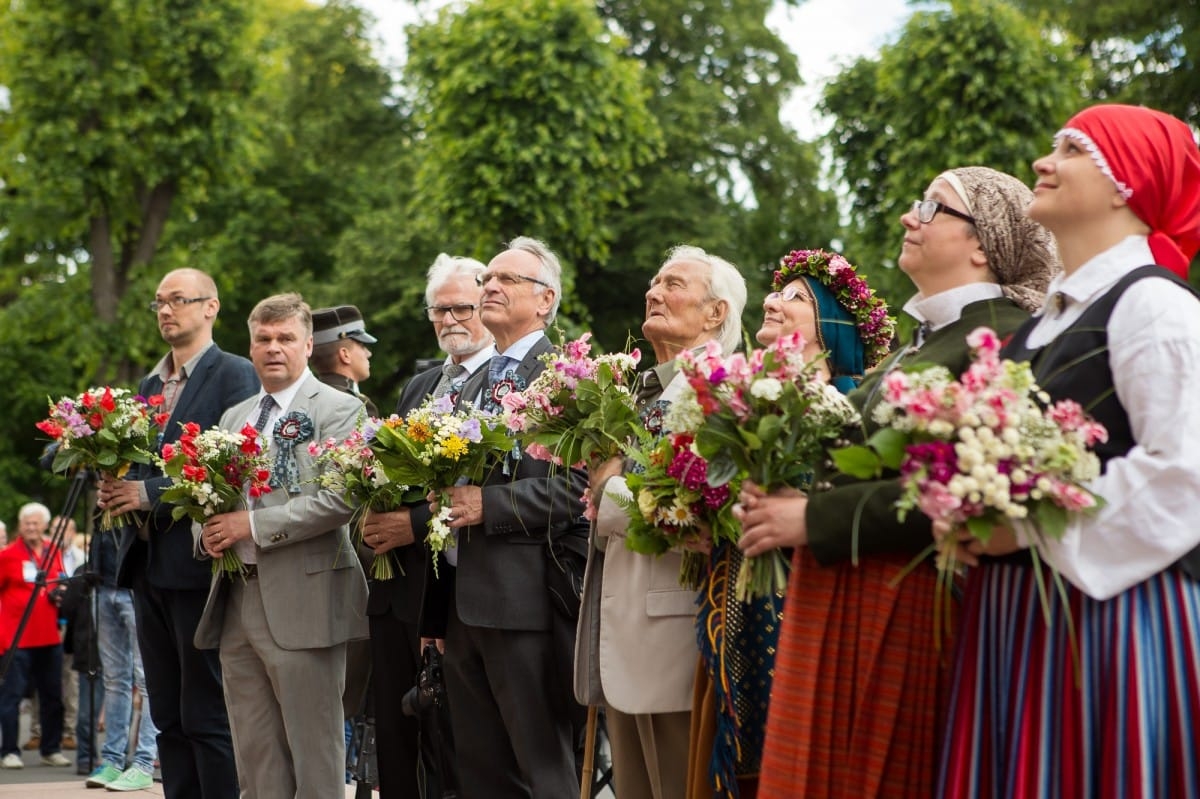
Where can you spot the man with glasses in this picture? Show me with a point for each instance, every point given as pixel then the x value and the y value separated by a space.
pixel 452 304
pixel 508 647
pixel 199 382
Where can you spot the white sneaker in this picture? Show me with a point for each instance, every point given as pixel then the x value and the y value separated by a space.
pixel 55 759
pixel 12 760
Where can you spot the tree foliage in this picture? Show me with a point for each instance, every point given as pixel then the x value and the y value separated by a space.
pixel 531 123
pixel 970 84
pixel 1144 53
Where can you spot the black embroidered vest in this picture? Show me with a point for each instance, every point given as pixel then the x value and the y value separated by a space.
pixel 1075 365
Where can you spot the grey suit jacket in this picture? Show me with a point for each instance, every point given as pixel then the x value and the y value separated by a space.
pixel 313 588
pixel 501 577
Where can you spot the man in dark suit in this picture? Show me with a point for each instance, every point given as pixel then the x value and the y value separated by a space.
pixel 393 609
pixel 199 383
pixel 508 650
pixel 282 626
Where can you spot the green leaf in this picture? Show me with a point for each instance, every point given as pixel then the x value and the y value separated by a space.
pixel 721 469
pixel 1051 519
pixel 889 443
pixel 857 461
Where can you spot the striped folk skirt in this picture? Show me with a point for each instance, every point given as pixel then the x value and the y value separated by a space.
pixel 860 684
pixel 1028 720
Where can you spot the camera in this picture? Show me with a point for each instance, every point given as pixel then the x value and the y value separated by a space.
pixel 430 690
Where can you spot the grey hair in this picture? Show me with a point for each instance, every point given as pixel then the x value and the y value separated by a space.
pixel 551 271
pixel 725 283
pixel 447 267
pixel 32 509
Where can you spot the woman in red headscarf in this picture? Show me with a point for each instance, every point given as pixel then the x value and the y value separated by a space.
pixel 1120 334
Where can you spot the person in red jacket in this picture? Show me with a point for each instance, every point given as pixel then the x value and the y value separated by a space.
pixel 39 650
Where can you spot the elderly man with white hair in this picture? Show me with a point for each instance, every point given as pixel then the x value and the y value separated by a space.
pixel 639 661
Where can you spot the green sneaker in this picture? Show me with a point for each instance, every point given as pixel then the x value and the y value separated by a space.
pixel 132 779
pixel 102 776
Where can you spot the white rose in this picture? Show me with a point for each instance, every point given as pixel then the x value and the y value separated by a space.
pixel 769 388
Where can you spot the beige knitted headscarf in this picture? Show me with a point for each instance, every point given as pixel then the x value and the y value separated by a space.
pixel 1020 252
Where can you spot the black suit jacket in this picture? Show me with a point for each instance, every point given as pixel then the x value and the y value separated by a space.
pixel 219 381
pixel 500 581
pixel 401 595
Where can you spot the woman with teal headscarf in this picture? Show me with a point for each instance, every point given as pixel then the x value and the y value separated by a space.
pixel 845 328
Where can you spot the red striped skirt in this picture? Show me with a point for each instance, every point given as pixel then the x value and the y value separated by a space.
pixel 1028 720
pixel 860 684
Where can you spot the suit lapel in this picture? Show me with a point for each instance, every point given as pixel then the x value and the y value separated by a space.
pixel 193 388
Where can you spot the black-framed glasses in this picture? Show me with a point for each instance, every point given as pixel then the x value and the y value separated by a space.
pixel 926 210
pixel 508 279
pixel 175 303
pixel 790 293
pixel 460 313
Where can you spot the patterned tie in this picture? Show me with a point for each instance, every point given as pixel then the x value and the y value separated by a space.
pixel 264 412
pixel 649 387
pixel 922 333
pixel 451 380
pixel 498 368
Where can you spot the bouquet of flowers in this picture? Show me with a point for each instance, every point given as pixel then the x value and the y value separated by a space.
pixel 433 447
pixel 672 501
pixel 766 417
pixel 982 450
pixel 579 409
pixel 212 472
pixel 351 469
pixel 106 429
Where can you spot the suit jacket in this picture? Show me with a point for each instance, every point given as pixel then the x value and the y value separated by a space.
pixel 647 639
pixel 401 595
pixel 500 581
pixel 313 589
pixel 834 532
pixel 219 381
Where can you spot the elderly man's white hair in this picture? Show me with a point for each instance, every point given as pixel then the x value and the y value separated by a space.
pixel 726 283
pixel 551 271
pixel 445 267
pixel 34 509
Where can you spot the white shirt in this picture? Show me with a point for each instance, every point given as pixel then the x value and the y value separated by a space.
pixel 945 308
pixel 247 548
pixel 1153 491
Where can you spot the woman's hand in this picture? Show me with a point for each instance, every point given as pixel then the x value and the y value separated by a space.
pixel 770 521
pixel 967 548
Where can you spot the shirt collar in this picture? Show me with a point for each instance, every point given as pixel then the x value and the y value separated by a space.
pixel 163 367
pixel 284 397
pixel 477 360
pixel 1101 272
pixel 946 307
pixel 521 347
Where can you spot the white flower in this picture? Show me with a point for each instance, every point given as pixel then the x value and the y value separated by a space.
pixel 767 388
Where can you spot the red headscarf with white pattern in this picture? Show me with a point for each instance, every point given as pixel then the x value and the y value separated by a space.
pixel 1153 160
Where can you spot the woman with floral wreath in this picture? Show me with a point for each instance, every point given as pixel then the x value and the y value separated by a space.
pixel 1093 690
pixel 846 328
pixel 856 707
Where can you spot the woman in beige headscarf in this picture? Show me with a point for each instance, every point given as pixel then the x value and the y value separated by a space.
pixel 856 702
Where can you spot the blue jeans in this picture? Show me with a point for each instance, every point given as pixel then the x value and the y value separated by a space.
pixel 43 665
pixel 83 721
pixel 122 664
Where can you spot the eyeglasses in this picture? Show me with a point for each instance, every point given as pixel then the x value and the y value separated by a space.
pixel 460 313
pixel 175 303
pixel 793 292
pixel 926 210
pixel 508 279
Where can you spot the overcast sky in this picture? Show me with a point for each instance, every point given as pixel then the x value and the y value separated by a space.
pixel 825 35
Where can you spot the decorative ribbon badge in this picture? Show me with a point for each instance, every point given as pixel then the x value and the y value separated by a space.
pixel 491 404
pixel 290 430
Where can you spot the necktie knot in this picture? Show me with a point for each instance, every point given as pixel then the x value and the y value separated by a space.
pixel 649 386
pixel 264 412
pixel 451 379
pixel 499 365
pixel 923 331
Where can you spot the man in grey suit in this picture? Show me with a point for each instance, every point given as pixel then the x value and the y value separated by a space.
pixel 508 650
pixel 282 630
pixel 393 610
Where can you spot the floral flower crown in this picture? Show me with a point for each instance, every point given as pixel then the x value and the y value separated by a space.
pixel 875 327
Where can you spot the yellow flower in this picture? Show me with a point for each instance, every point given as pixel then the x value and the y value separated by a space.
pixel 454 447
pixel 646 504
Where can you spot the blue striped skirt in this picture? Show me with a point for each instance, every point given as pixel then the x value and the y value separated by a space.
pixel 1031 718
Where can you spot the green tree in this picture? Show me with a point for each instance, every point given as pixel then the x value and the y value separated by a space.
pixel 530 123
pixel 1144 53
pixel 972 83
pixel 734 178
